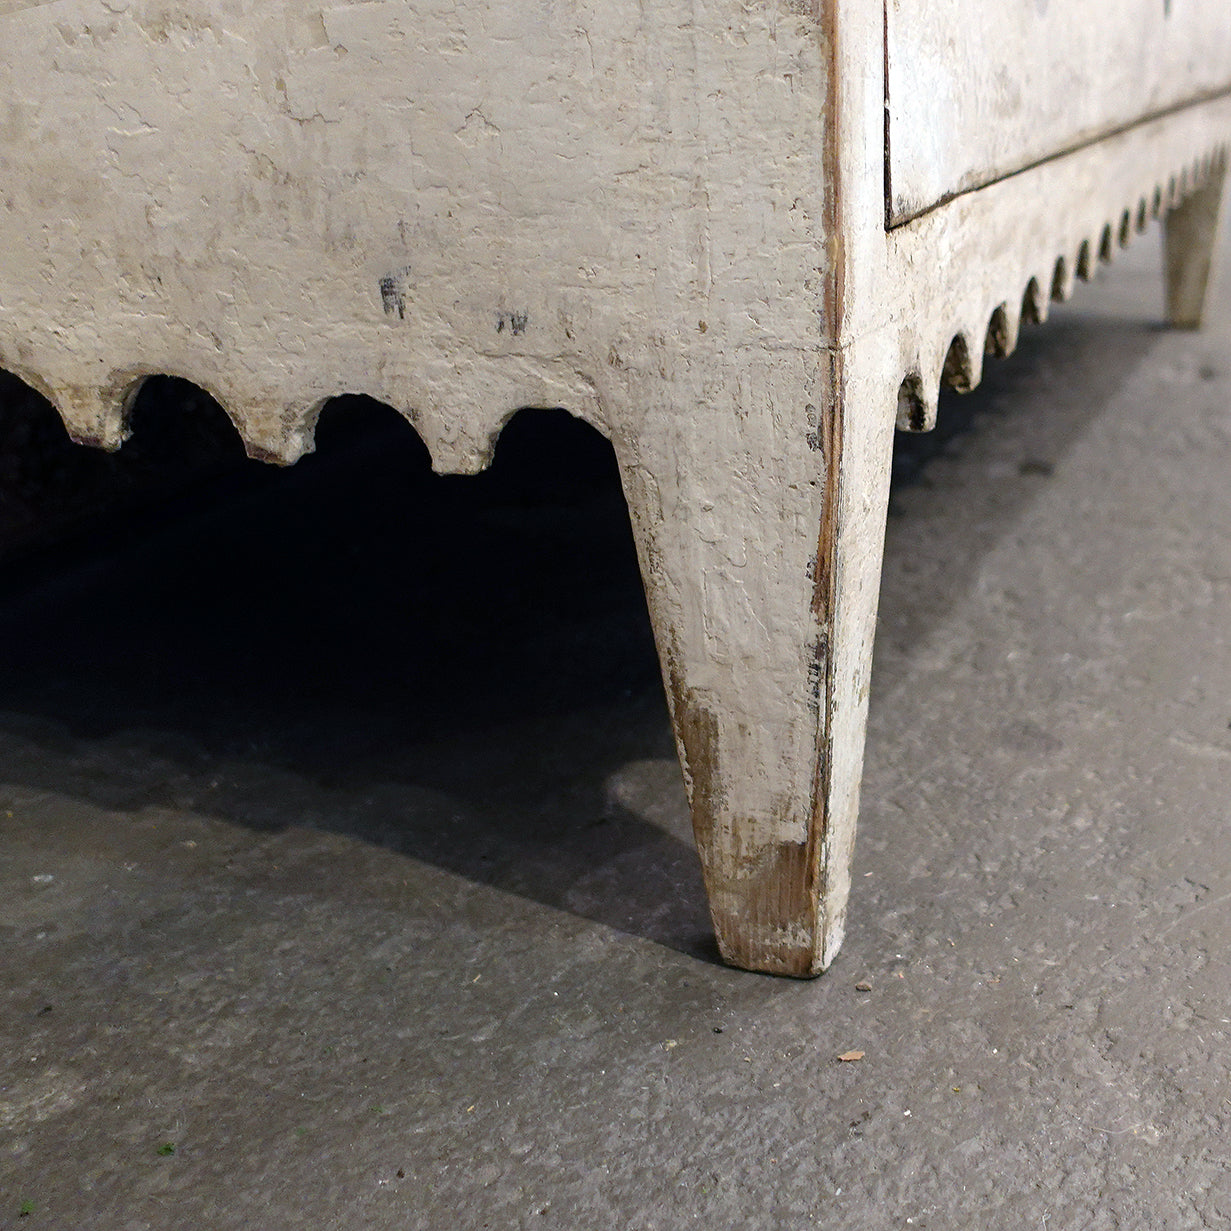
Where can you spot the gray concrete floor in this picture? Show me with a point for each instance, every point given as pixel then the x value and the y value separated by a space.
pixel 284 947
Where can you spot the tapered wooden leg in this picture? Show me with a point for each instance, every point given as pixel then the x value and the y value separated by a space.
pixel 1190 232
pixel 759 511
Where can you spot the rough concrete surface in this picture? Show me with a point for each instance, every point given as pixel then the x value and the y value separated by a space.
pixel 345 877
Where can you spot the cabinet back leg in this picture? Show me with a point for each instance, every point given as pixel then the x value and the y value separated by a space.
pixel 1190 238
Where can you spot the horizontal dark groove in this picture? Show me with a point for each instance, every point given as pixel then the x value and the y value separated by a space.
pixel 1200 100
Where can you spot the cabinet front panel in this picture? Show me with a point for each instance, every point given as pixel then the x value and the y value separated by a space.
pixel 978 89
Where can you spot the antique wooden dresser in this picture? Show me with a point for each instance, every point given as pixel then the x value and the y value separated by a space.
pixel 742 238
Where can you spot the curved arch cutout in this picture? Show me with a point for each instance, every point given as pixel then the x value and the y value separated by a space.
pixel 551 454
pixel 958 371
pixel 912 404
pixel 999 340
pixel 1034 306
pixel 1085 264
pixel 1060 285
pixel 354 421
pixel 173 422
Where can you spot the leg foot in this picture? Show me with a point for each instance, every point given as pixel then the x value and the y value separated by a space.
pixel 1190 237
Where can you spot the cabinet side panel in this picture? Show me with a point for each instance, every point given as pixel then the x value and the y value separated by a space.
pixel 452 206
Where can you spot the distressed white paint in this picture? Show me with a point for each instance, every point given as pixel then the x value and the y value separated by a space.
pixel 219 189
pixel 668 220
pixel 979 90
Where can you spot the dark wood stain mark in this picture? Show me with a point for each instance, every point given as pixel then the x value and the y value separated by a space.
pixel 831 437
pixel 821 670
pixel 802 869
pixel 831 177
pixel 697 729
pixel 800 872
pixel 888 163
pixel 776 895
pixel 780 892
pixel 816 673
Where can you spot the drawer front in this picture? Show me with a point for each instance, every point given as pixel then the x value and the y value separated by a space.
pixel 978 89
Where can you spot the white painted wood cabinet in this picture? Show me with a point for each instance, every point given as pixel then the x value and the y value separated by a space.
pixel 741 239
pixel 976 91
